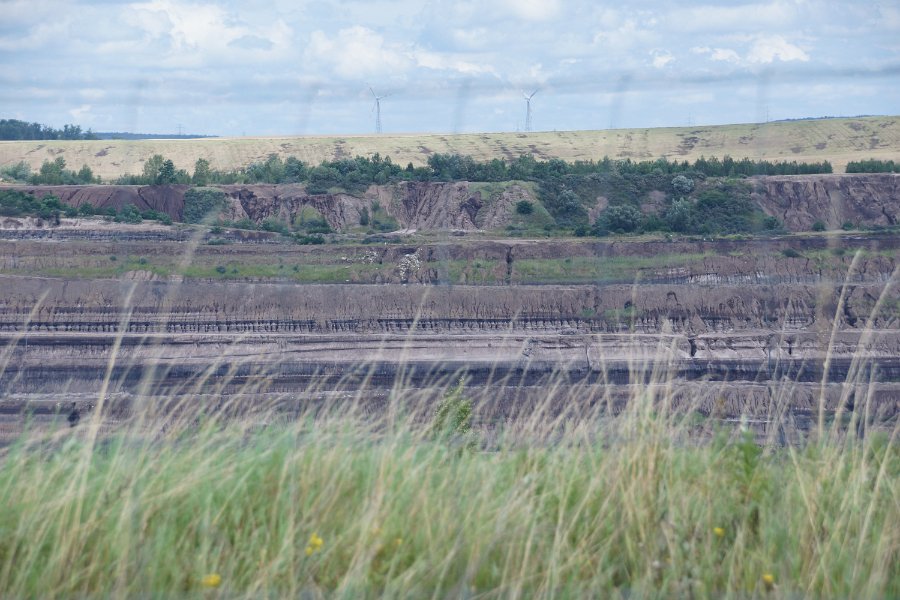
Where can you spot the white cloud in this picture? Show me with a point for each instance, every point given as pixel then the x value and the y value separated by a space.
pixel 725 55
pixel 196 34
pixel 359 52
pixel 534 10
pixel 767 49
pixel 715 18
pixel 437 61
pixel 81 112
pixel 661 59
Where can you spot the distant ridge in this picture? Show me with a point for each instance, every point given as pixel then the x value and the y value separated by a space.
pixel 123 135
pixel 837 140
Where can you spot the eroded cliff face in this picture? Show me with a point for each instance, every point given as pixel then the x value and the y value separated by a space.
pixel 415 205
pixel 797 200
pixel 801 200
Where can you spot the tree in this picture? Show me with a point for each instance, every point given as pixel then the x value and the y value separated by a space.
pixel 85 175
pixel 152 167
pixel 683 185
pixel 166 173
pixel 621 219
pixel 201 172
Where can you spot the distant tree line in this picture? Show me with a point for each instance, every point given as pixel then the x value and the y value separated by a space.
pixel 873 166
pixel 355 174
pixel 13 129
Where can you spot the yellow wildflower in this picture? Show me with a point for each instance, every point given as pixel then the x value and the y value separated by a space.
pixel 213 580
pixel 719 531
pixel 315 544
pixel 768 580
pixel 398 541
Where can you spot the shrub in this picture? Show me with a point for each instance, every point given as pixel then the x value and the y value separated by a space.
pixel 620 219
pixel 524 207
pixel 130 214
pixel 683 185
pixel 818 226
pixel 274 225
pixel 202 204
pixel 848 226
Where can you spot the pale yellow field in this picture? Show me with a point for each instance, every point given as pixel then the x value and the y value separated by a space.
pixel 837 140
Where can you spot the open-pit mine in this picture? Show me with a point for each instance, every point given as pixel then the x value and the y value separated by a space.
pixel 735 327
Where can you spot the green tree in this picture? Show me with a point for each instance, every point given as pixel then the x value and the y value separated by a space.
pixel 85 175
pixel 683 185
pixel 621 219
pixel 166 173
pixel 152 168
pixel 201 172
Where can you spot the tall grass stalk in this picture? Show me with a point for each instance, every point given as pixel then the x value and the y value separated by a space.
pixel 404 512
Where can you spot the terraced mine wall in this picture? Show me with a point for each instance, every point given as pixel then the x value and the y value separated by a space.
pixel 728 348
pixel 731 327
pixel 797 200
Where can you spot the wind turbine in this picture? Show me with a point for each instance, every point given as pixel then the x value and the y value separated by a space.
pixel 377 109
pixel 528 98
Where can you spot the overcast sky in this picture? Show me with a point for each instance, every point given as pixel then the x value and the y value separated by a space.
pixel 268 67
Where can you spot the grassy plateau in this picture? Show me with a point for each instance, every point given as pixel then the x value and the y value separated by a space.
pixel 837 140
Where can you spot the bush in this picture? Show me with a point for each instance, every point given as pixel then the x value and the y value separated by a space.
pixel 848 226
pixel 524 207
pixel 130 214
pixel 202 204
pixel 683 185
pixel 274 225
pixel 18 172
pixel 818 226
pixel 620 219
pixel 791 253
pixel 308 239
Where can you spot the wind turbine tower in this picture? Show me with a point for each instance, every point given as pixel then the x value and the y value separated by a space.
pixel 377 109
pixel 528 98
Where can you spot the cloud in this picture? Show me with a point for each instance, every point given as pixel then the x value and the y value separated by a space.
pixel 251 42
pixel 767 49
pixel 661 59
pixel 744 17
pixel 533 10
pixel 725 55
pixel 358 52
pixel 198 34
pixel 763 50
pixel 437 61
pixel 81 112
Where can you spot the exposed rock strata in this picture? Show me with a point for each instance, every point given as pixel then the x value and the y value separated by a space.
pixel 797 200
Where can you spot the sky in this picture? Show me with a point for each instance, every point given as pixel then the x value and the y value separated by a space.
pixel 287 67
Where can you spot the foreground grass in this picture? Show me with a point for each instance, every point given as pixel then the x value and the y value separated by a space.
pixel 354 509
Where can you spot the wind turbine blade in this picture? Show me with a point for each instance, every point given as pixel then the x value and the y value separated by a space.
pixel 373 91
